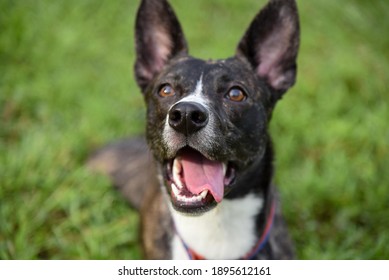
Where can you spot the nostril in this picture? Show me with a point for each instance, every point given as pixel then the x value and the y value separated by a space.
pixel 198 117
pixel 175 116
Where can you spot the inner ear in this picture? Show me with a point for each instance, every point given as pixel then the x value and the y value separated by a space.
pixel 271 44
pixel 158 38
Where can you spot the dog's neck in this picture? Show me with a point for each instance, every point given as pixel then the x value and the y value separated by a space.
pixel 226 232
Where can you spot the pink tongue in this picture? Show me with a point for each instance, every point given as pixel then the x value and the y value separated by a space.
pixel 202 174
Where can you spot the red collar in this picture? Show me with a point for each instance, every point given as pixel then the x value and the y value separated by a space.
pixel 254 251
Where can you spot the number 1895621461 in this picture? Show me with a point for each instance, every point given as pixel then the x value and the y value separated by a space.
pixel 232 270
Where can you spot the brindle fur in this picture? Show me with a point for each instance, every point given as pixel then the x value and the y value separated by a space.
pixel 136 165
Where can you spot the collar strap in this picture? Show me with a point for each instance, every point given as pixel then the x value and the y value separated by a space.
pixel 254 251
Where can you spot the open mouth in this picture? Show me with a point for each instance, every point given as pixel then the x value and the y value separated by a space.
pixel 196 182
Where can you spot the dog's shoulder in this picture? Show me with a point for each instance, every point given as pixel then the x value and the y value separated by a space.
pixel 279 245
pixel 157 228
pixel 128 163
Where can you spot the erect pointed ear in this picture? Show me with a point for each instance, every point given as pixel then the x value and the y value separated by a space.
pixel 271 44
pixel 158 38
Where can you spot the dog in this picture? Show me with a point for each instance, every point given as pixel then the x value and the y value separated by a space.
pixel 202 176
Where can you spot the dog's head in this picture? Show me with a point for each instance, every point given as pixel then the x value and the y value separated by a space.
pixel 207 120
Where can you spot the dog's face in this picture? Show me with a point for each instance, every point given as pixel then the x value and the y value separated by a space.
pixel 205 124
pixel 207 120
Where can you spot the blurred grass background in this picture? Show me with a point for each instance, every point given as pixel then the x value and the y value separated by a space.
pixel 67 88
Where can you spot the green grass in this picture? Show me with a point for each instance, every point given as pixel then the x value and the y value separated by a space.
pixel 67 87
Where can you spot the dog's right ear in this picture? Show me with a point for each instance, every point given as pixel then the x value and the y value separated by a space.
pixel 158 38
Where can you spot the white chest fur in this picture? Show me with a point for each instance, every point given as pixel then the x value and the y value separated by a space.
pixel 226 232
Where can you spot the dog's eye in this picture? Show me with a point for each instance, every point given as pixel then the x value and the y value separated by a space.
pixel 236 94
pixel 166 91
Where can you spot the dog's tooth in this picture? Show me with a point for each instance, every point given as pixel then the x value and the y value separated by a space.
pixel 195 199
pixel 180 185
pixel 177 165
pixel 175 190
pixel 175 169
pixel 187 199
pixel 176 172
pixel 224 168
pixel 182 198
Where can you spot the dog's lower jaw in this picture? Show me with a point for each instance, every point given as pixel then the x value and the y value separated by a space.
pixel 226 232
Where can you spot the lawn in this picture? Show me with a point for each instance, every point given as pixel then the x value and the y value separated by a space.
pixel 67 88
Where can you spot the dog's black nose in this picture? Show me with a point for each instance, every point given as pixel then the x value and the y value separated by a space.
pixel 188 117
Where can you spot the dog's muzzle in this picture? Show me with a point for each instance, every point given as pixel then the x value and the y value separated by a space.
pixel 195 180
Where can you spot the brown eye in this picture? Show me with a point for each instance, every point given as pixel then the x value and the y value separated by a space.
pixel 166 91
pixel 236 95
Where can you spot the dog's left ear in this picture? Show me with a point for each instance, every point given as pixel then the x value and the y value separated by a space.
pixel 158 38
pixel 271 44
